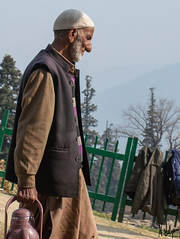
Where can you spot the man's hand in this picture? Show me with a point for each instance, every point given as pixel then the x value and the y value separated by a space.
pixel 26 195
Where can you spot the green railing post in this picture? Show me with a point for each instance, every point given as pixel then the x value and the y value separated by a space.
pixel 176 219
pixel 92 159
pixel 110 174
pixel 129 170
pixel 3 127
pixel 121 179
pixel 100 171
pixel 86 138
pixel 144 216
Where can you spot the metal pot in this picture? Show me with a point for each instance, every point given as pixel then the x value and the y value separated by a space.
pixel 22 223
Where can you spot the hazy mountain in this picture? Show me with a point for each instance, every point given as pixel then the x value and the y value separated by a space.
pixel 112 102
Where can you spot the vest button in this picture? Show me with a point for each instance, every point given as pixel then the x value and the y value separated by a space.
pixel 70 82
pixel 77 159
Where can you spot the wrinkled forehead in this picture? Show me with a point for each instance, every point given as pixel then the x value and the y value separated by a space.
pixel 87 31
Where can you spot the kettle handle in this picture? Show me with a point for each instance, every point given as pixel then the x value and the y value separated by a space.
pixel 11 200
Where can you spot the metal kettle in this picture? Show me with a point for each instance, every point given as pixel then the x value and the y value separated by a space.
pixel 22 223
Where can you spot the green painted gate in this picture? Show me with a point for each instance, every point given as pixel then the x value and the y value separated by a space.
pixel 119 200
pixel 126 159
pixel 4 131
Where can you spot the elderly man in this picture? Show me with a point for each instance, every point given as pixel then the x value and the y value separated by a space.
pixel 47 155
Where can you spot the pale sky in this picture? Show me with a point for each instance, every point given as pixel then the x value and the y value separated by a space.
pixel 131 36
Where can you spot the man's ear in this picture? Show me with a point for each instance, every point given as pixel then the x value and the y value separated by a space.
pixel 72 35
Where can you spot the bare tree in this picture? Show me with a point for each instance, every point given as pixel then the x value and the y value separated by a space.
pixel 166 124
pixel 135 122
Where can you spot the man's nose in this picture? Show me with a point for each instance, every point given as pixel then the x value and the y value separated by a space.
pixel 88 47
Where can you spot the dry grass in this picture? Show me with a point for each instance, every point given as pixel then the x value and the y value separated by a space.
pixel 7 187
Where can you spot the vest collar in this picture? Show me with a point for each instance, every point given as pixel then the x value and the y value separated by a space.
pixel 60 59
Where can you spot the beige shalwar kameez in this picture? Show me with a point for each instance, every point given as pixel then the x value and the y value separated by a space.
pixel 64 218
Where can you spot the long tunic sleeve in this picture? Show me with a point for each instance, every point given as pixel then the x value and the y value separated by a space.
pixel 33 126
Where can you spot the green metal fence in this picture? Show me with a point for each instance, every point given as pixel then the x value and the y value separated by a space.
pixel 126 159
pixel 119 200
pixel 4 131
pixel 103 154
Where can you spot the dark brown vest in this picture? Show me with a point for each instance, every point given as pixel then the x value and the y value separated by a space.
pixel 58 173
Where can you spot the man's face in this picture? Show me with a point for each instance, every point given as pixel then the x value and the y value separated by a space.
pixel 82 43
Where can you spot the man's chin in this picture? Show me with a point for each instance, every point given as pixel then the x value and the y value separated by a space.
pixel 78 59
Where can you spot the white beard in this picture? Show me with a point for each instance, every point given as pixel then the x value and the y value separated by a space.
pixel 75 50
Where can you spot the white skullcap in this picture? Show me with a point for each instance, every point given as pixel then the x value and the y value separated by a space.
pixel 72 18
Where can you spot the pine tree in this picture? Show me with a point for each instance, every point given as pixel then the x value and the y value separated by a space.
pixel 108 134
pixel 88 108
pixel 151 122
pixel 154 124
pixel 9 84
pixel 9 87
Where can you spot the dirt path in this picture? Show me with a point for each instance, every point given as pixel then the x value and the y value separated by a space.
pixel 106 229
pixel 116 230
